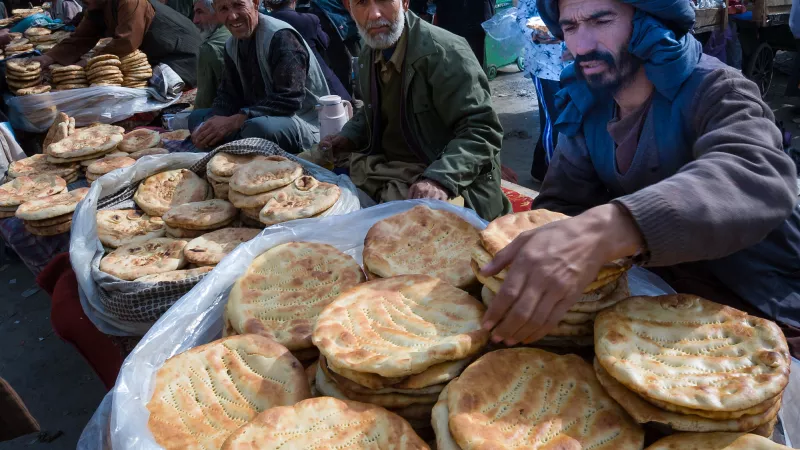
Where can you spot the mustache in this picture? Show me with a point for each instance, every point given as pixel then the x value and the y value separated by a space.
pixel 378 23
pixel 598 56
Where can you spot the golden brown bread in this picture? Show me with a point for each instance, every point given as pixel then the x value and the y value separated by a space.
pixel 715 441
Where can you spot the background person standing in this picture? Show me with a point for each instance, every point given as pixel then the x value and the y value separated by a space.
pixel 464 18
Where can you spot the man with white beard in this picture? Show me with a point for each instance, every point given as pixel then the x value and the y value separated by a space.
pixel 428 129
pixel 211 59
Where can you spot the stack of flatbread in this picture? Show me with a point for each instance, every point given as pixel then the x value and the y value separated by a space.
pixel 21 13
pixel 85 144
pixel 38 165
pixel 63 126
pixel 194 219
pixel 106 165
pixel 52 215
pixel 576 327
pixel 529 398
pixel 177 135
pixel 273 189
pixel 136 70
pixel 18 46
pixel 24 77
pixel 160 192
pixel 422 241
pixel 116 228
pixel 69 77
pixel 285 289
pixel 692 364
pixel 103 70
pixel 210 248
pixel 138 140
pixel 159 256
pixel 396 342
pixel 25 189
pixel 326 423
pixel 220 168
pixel 44 39
pixel 716 441
pixel 203 395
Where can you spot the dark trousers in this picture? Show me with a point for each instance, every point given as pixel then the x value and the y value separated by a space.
pixel 280 130
pixel 477 42
pixel 548 138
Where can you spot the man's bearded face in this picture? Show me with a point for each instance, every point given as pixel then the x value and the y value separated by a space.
pixel 205 20
pixel 598 33
pixel 240 17
pixel 380 22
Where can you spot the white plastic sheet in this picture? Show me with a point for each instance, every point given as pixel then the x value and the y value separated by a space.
pixel 503 28
pixel 196 318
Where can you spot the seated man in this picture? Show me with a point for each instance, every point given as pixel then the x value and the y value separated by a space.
pixel 211 60
pixel 270 86
pixel 428 130
pixel 162 33
pixel 665 154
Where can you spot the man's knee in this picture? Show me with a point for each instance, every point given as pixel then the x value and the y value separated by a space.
pixel 280 130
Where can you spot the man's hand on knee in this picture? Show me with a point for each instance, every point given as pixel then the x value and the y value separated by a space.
pixel 216 128
pixel 337 145
pixel 428 189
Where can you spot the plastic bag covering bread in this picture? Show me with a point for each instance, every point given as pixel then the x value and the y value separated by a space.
pixel 196 318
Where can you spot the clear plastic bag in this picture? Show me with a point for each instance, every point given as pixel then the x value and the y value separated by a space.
pixel 504 29
pixel 196 318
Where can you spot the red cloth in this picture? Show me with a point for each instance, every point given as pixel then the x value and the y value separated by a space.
pixel 71 324
pixel 519 202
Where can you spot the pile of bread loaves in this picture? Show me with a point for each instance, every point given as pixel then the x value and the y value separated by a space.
pixel 44 39
pixel 24 77
pixel 38 196
pixel 404 356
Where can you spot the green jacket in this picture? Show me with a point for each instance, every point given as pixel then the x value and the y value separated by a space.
pixel 449 110
pixel 210 65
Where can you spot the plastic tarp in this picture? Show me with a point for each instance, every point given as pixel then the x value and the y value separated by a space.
pixel 196 318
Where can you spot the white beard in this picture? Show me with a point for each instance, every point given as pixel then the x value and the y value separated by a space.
pixel 385 40
pixel 207 31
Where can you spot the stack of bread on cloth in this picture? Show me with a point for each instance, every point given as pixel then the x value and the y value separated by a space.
pixel 141 142
pixel 404 363
pixel 42 201
pixel 24 77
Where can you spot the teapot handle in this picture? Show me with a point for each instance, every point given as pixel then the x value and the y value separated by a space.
pixel 349 107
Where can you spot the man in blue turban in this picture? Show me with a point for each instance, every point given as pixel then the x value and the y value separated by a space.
pixel 665 155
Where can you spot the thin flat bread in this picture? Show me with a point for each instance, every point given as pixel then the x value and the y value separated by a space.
pixel 148 152
pixel 87 141
pixel 326 423
pixel 109 164
pixel 264 175
pixel 619 291
pixel 52 230
pixel 37 165
pixel 24 189
pixel 692 352
pixel 348 385
pixel 423 241
pixel 203 395
pixel 49 139
pixel 645 412
pixel 186 234
pixel 160 192
pixel 50 207
pixel 715 441
pixel 210 248
pixel 58 220
pixel 176 135
pixel 139 140
pixel 482 258
pixel 224 164
pixel 287 287
pixel 132 261
pixel 305 197
pixel 116 228
pixel 392 400
pixel 175 275
pixel 420 321
pixel 440 420
pixel 204 215
pixel 432 376
pixel 533 399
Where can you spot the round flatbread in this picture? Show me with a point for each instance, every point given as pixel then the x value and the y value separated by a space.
pixel 422 241
pixel 180 135
pixel 53 230
pixel 132 261
pixel 66 69
pixel 715 441
pixel 264 175
pixel 109 164
pixel 136 65
pixel 107 64
pixel 37 31
pixel 220 190
pixel 160 192
pixel 23 77
pixel 24 189
pixel 148 152
pixel 23 84
pixel 429 381
pixel 23 45
pixel 139 140
pixel 33 90
pixel 230 380
pixel 175 275
pixel 692 352
pixel 136 54
pixel 327 422
pixel 204 215
pixel 66 87
pixel 440 421
pixel 304 197
pixel 723 415
pixel 286 288
pixel 58 220
pixel 37 165
pixel 187 234
pixel 87 141
pixel 99 58
pixel 644 412
pixel 53 206
pixel 210 248
pixel 224 164
pixel 137 77
pixel 328 387
pixel 533 399
pixel 421 321
pixel 116 228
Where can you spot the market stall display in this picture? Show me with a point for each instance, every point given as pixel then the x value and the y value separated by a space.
pixel 23 74
pixel 230 381
pixel 326 423
pixel 692 364
pixel 68 77
pixel 191 220
pixel 51 215
pixel 220 169
pixel 715 441
pixel 104 70
pixel 24 189
pixel 85 144
pixel 285 289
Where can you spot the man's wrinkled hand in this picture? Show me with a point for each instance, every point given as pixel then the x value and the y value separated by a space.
pixel 215 129
pixel 550 266
pixel 428 189
pixel 44 60
pixel 337 145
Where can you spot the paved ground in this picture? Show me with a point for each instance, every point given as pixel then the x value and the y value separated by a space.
pixel 60 389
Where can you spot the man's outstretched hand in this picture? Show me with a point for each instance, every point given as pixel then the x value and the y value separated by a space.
pixel 549 268
pixel 215 129
pixel 428 189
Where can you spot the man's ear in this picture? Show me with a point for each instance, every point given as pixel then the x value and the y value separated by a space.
pixel 406 3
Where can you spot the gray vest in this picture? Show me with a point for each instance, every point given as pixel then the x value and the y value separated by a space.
pixel 316 86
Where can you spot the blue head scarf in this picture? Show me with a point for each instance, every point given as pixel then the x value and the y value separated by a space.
pixel 660 38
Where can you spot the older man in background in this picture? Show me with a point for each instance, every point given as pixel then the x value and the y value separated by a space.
pixel 429 129
pixel 270 86
pixel 211 60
